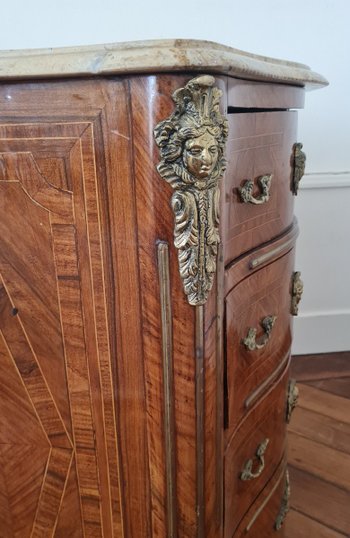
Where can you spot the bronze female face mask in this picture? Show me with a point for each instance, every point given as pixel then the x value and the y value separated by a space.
pixel 191 142
pixel 200 155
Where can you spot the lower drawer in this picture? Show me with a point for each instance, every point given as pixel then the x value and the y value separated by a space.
pixel 255 354
pixel 266 517
pixel 254 453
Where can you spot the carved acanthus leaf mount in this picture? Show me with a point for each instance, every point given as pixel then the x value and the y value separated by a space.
pixel 191 143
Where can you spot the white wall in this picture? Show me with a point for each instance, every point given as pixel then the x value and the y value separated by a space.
pixel 314 32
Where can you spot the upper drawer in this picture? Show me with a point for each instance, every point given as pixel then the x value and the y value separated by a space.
pixel 260 144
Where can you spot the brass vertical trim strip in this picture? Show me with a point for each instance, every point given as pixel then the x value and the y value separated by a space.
pixel 219 387
pixel 168 383
pixel 200 419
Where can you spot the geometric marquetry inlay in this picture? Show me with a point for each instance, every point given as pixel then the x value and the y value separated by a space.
pixel 58 452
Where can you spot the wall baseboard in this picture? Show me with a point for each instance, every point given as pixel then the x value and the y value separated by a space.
pixel 325 180
pixel 321 333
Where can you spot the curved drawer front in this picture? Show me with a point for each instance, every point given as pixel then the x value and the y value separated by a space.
pixel 257 200
pixel 258 336
pixel 266 517
pixel 254 453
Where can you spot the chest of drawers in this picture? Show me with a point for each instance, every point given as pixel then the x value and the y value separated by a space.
pixel 146 290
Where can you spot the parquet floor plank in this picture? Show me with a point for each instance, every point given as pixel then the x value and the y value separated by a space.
pixel 326 404
pixel 319 500
pixel 320 460
pixel 319 448
pixel 339 386
pixel 322 429
pixel 300 526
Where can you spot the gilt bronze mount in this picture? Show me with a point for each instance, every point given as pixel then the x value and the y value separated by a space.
pixel 246 191
pixel 247 472
pixel 298 166
pixel 251 342
pixel 285 506
pixel 191 143
pixel 297 292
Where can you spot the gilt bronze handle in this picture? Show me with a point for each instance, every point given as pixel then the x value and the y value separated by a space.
pixel 246 192
pixel 250 341
pixel 247 472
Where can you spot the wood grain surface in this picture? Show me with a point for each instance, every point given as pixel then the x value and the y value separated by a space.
pixel 319 448
pixel 55 334
pixel 83 209
pixel 259 144
pixel 266 421
pixel 265 293
pixel 260 520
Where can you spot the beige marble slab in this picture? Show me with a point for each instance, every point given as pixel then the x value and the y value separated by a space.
pixel 154 56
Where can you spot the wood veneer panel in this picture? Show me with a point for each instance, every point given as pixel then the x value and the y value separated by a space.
pixel 70 509
pixel 267 420
pixel 259 258
pixel 6 521
pixel 77 176
pixel 150 196
pixel 249 94
pixel 19 422
pixel 264 293
pixel 23 470
pixel 54 273
pixel 29 274
pixel 151 103
pixel 261 517
pixel 122 280
pixel 258 144
pixel 52 491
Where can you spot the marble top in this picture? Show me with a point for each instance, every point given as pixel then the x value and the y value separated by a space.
pixel 153 57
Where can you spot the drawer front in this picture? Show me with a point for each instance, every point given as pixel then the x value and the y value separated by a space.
pixel 254 453
pixel 266 517
pixel 258 336
pixel 259 145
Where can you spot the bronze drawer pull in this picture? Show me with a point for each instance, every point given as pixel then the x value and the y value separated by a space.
pixel 247 473
pixel 297 292
pixel 250 341
pixel 246 192
pixel 292 399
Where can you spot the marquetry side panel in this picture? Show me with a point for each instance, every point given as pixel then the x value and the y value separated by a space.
pixel 151 102
pixel 196 507
pixel 58 377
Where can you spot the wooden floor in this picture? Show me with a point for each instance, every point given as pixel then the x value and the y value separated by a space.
pixel 319 448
